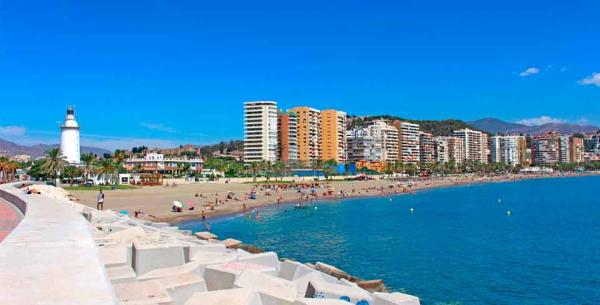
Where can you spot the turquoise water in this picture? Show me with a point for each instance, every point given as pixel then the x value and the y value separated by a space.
pixel 457 247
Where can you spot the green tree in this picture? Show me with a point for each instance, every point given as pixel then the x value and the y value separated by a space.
pixel 72 172
pixel 107 169
pixel 54 163
pixel 88 161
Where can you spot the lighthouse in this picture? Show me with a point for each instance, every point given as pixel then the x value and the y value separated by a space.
pixel 69 137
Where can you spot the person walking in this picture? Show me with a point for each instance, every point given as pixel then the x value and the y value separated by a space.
pixel 100 201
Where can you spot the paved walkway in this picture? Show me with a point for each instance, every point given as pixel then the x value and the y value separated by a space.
pixel 9 218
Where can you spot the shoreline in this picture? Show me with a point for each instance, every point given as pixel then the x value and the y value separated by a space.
pixel 155 202
pixel 222 216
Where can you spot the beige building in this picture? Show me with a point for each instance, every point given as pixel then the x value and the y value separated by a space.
pixel 474 144
pixel 309 133
pixel 334 143
pixel 260 131
pixel 385 140
pixel 408 142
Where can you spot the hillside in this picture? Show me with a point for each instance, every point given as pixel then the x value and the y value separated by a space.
pixel 38 150
pixel 493 126
pixel 437 128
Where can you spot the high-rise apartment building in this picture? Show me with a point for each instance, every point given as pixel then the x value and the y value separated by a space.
pixel 545 149
pixel 495 149
pixel 287 125
pixel 510 150
pixel 260 131
pixel 485 150
pixel 408 142
pixel 361 146
pixel 577 150
pixel 426 148
pixel 473 144
pixel 334 142
pixel 565 150
pixel 309 133
pixel 449 149
pixel 385 138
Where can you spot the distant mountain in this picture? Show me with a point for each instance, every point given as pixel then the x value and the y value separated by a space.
pixel 38 150
pixel 437 128
pixel 494 126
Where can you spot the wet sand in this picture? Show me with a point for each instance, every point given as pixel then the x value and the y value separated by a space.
pixel 155 202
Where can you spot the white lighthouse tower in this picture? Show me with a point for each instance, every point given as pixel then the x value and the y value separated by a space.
pixel 69 137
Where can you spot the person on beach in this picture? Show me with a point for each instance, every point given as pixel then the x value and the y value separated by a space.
pixel 203 216
pixel 100 201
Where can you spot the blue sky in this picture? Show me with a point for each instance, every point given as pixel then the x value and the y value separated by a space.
pixel 171 72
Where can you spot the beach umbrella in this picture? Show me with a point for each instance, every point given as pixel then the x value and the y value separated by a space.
pixel 178 204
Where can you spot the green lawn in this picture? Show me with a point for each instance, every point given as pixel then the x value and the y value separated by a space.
pixel 98 187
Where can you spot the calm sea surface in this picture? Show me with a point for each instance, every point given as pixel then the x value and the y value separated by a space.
pixel 458 246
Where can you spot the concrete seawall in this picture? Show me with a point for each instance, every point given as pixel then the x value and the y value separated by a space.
pixel 50 257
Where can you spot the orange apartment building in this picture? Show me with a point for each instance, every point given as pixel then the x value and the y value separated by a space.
pixel 287 127
pixel 334 141
pixel 309 133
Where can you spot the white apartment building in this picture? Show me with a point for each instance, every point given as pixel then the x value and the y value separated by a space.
pixel 361 147
pixel 510 150
pixel 408 142
pixel 473 144
pixel 449 149
pixel 385 138
pixel 260 131
pixel 426 148
pixel 565 149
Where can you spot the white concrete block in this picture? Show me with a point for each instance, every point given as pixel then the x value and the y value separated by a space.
pixel 222 276
pixel 308 301
pixel 239 296
pixel 323 290
pixel 267 258
pixel 213 258
pixel 120 274
pixel 304 274
pixel 192 267
pixel 205 235
pixel 181 287
pixel 113 256
pixel 149 256
pixel 395 298
pixel 195 249
pixel 142 293
pixel 272 290
pixel 287 269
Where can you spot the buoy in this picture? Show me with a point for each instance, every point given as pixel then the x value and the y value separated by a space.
pixel 390 199
pixel 508 213
pixel 315 208
pixel 412 210
pixel 499 200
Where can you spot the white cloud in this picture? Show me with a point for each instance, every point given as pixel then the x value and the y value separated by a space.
pixel 158 126
pixel 540 121
pixel 593 79
pixel 529 71
pixel 563 69
pixel 12 130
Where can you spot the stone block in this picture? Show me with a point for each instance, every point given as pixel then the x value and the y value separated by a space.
pixel 192 267
pixel 114 256
pixel 395 298
pixel 142 293
pixel 240 296
pixel 324 290
pixel 149 256
pixel 120 274
pixel 267 258
pixel 182 286
pixel 287 269
pixel 222 276
pixel 272 290
pixel 308 301
pixel 232 243
pixel 205 235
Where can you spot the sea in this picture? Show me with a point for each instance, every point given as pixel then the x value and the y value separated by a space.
pixel 525 242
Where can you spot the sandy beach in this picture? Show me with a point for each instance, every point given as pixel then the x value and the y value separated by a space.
pixel 212 197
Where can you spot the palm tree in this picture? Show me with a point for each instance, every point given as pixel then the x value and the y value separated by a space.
pixel 72 172
pixel 54 163
pixel 8 169
pixel 119 156
pixel 107 170
pixel 88 164
pixel 329 168
pixel 254 168
pixel 279 168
